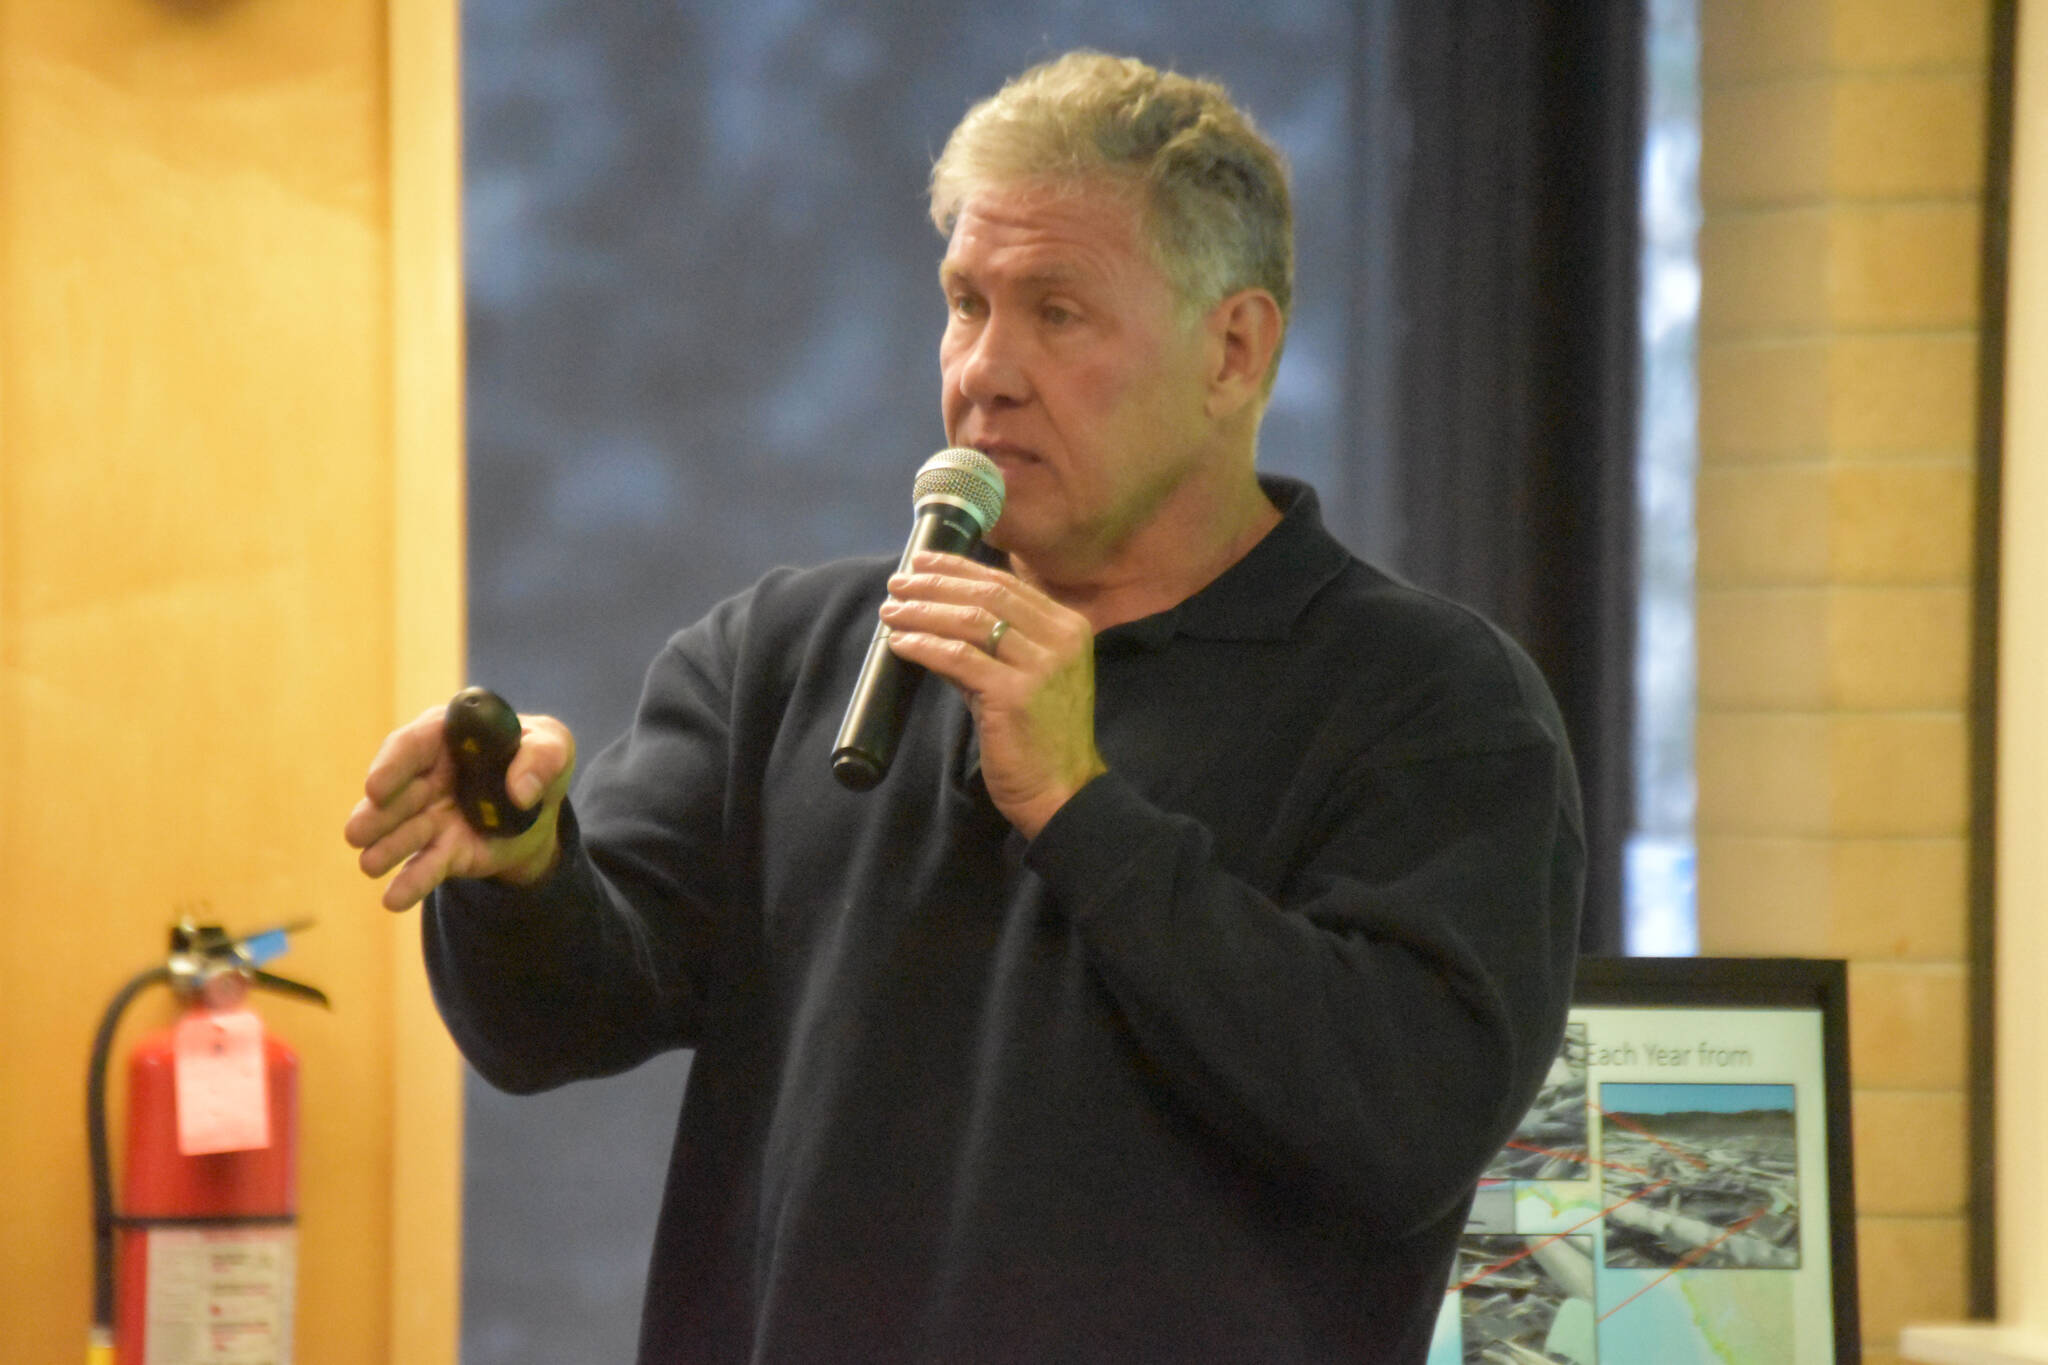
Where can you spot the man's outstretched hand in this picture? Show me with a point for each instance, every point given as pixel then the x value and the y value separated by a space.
pixel 408 818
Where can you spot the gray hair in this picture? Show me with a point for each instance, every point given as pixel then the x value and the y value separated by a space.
pixel 1213 190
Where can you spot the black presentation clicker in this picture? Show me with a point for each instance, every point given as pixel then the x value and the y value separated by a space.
pixel 482 734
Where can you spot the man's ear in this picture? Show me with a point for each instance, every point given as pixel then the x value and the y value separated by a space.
pixel 1244 331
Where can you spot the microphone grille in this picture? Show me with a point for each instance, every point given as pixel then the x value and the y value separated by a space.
pixel 965 478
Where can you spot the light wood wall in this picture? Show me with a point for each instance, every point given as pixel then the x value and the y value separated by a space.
pixel 230 557
pixel 1842 180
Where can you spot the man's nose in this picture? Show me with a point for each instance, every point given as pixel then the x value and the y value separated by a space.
pixel 990 371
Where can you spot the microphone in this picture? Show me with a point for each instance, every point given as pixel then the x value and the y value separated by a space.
pixel 957 496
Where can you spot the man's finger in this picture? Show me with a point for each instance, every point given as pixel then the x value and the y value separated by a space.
pixel 401 842
pixel 964 582
pixel 369 821
pixel 547 751
pixel 958 566
pixel 953 659
pixel 423 872
pixel 969 624
pixel 407 752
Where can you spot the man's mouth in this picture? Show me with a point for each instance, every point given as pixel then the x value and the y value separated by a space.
pixel 1006 455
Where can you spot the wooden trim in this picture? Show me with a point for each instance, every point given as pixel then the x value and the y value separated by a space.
pixel 10 569
pixel 427 579
pixel 1984 651
pixel 1976 1345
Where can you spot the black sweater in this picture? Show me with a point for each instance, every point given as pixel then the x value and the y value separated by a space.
pixel 1205 1072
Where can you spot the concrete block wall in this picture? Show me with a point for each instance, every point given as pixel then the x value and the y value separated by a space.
pixel 1842 181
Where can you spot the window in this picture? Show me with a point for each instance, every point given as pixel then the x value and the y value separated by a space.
pixel 1659 910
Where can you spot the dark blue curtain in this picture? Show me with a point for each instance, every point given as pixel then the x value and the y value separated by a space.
pixel 703 326
pixel 1493 383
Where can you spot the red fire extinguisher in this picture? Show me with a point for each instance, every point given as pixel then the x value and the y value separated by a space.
pixel 207 1231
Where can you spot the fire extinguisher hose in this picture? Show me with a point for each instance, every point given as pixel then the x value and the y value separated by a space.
pixel 100 1346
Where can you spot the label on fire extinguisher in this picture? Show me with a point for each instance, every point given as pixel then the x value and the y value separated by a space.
pixel 220 1296
pixel 222 1100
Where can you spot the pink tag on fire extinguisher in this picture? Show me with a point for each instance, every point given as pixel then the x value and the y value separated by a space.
pixel 222 1102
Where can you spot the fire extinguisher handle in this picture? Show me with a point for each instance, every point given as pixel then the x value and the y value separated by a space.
pixel 271 981
pixel 482 734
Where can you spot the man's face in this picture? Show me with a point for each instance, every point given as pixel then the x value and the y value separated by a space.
pixel 1065 360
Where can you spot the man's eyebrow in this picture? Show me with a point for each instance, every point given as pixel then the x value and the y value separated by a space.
pixel 1051 276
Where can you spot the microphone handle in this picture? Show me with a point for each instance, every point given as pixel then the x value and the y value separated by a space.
pixel 881 699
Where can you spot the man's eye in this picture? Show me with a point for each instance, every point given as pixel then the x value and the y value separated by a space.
pixel 1056 314
pixel 965 306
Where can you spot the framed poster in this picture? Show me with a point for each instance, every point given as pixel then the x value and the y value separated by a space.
pixel 1680 1193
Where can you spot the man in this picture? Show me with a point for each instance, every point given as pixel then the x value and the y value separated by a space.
pixel 1212 929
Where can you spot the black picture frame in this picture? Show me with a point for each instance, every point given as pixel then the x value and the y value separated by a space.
pixel 1722 993
pixel 1818 984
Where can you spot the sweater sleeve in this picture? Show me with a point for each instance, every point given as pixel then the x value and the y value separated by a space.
pixel 608 961
pixel 1372 1030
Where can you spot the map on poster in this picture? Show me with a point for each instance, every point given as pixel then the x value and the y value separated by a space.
pixel 1665 1202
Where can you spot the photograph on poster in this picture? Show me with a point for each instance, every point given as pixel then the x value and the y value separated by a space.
pixel 1701 1175
pixel 1536 1301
